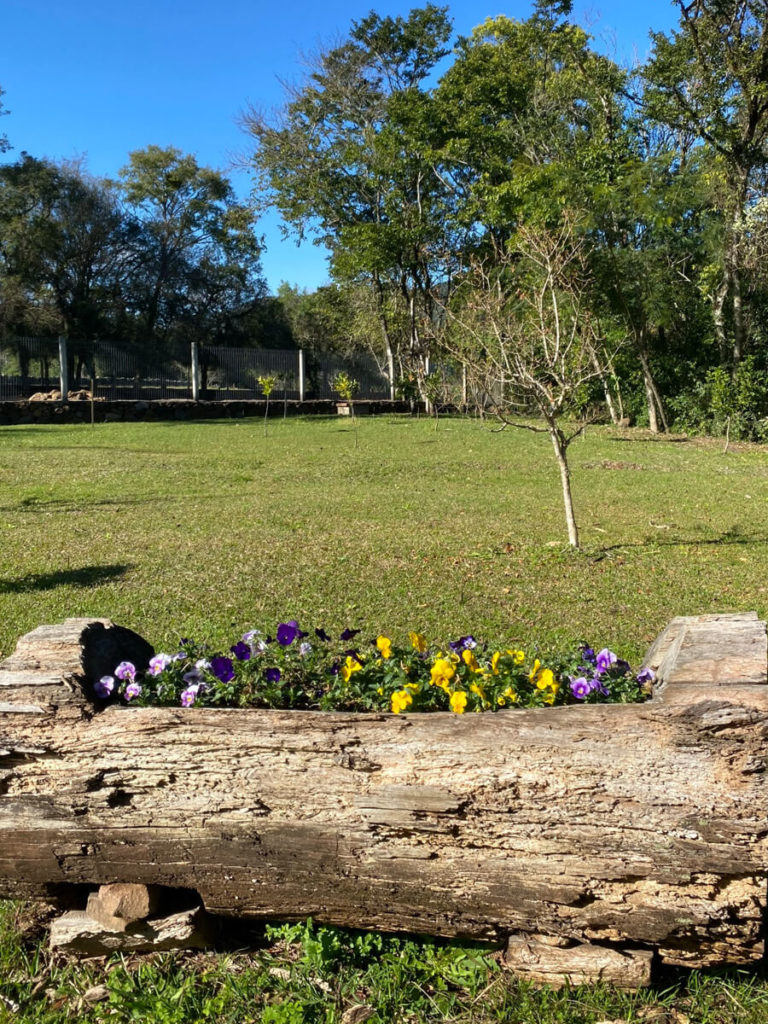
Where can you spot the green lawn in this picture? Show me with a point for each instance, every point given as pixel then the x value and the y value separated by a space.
pixel 207 529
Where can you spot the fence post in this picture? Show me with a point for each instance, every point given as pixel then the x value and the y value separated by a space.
pixel 63 372
pixel 464 397
pixel 301 374
pixel 195 371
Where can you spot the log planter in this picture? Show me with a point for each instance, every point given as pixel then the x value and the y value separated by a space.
pixel 603 835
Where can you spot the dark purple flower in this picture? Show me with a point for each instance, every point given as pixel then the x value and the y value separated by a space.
pixel 349 634
pixel 604 660
pixel 580 688
pixel 241 651
pixel 464 643
pixel 287 632
pixel 588 654
pixel 645 675
pixel 334 669
pixel 322 635
pixel 104 687
pixel 301 634
pixel 272 675
pixel 185 642
pixel 622 666
pixel 222 668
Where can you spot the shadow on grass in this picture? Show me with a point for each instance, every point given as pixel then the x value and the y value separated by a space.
pixel 87 576
pixel 79 505
pixel 728 537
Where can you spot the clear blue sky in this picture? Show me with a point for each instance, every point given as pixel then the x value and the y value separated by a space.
pixel 99 78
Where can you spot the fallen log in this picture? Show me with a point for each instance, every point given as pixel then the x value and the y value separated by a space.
pixel 626 827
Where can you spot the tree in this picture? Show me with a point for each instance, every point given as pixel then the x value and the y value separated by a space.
pixel 522 321
pixel 63 245
pixel 708 79
pixel 198 258
pixel 348 161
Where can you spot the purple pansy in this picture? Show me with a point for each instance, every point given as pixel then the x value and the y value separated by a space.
pixel 189 696
pixel 580 687
pixel 589 655
pixel 349 634
pixel 125 670
pixel 645 675
pixel 158 663
pixel 194 676
pixel 105 686
pixel 322 635
pixel 272 675
pixel 222 668
pixel 604 660
pixel 287 632
pixel 132 690
pixel 241 651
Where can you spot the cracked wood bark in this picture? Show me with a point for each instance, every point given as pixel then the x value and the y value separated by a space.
pixel 627 826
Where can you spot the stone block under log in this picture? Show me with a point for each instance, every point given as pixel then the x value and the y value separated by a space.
pixel 621 827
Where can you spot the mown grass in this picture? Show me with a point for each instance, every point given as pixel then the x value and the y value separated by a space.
pixel 206 529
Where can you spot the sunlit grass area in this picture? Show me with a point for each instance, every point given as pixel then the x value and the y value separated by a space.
pixel 210 528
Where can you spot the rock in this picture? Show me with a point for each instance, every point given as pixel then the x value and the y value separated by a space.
pixel 77 932
pixel 579 964
pixel 128 901
pixel 96 994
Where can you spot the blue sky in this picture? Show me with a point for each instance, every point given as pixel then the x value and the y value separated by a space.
pixel 96 79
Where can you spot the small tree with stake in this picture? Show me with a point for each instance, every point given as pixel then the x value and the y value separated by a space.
pixel 267 385
pixel 523 325
pixel 346 388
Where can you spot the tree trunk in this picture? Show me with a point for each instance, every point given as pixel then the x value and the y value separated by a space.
pixel 561 454
pixel 603 378
pixel 629 827
pixel 656 415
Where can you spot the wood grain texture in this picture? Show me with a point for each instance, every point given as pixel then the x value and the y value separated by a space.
pixel 623 826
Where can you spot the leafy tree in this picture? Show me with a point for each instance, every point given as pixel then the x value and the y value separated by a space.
pixel 708 79
pixel 198 259
pixel 348 161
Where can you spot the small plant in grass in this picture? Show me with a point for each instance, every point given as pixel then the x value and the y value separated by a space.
pixel 346 388
pixel 294 669
pixel 267 385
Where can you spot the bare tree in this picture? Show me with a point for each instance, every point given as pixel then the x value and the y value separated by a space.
pixel 524 327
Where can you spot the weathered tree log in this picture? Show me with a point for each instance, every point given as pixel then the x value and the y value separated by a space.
pixel 625 826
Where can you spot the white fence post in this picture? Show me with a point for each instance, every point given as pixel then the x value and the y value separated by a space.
pixel 195 355
pixel 63 372
pixel 301 374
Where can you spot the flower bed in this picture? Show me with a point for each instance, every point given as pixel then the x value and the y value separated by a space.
pixel 299 670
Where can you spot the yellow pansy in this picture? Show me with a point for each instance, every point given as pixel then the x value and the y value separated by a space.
pixel 349 666
pixel 441 672
pixel 517 656
pixel 458 702
pixel 418 642
pixel 510 694
pixel 384 645
pixel 495 662
pixel 470 661
pixel 536 666
pixel 413 687
pixel 474 688
pixel 400 701
pixel 545 679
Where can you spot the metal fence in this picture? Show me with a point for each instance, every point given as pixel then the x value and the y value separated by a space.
pixel 213 373
pixel 28 365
